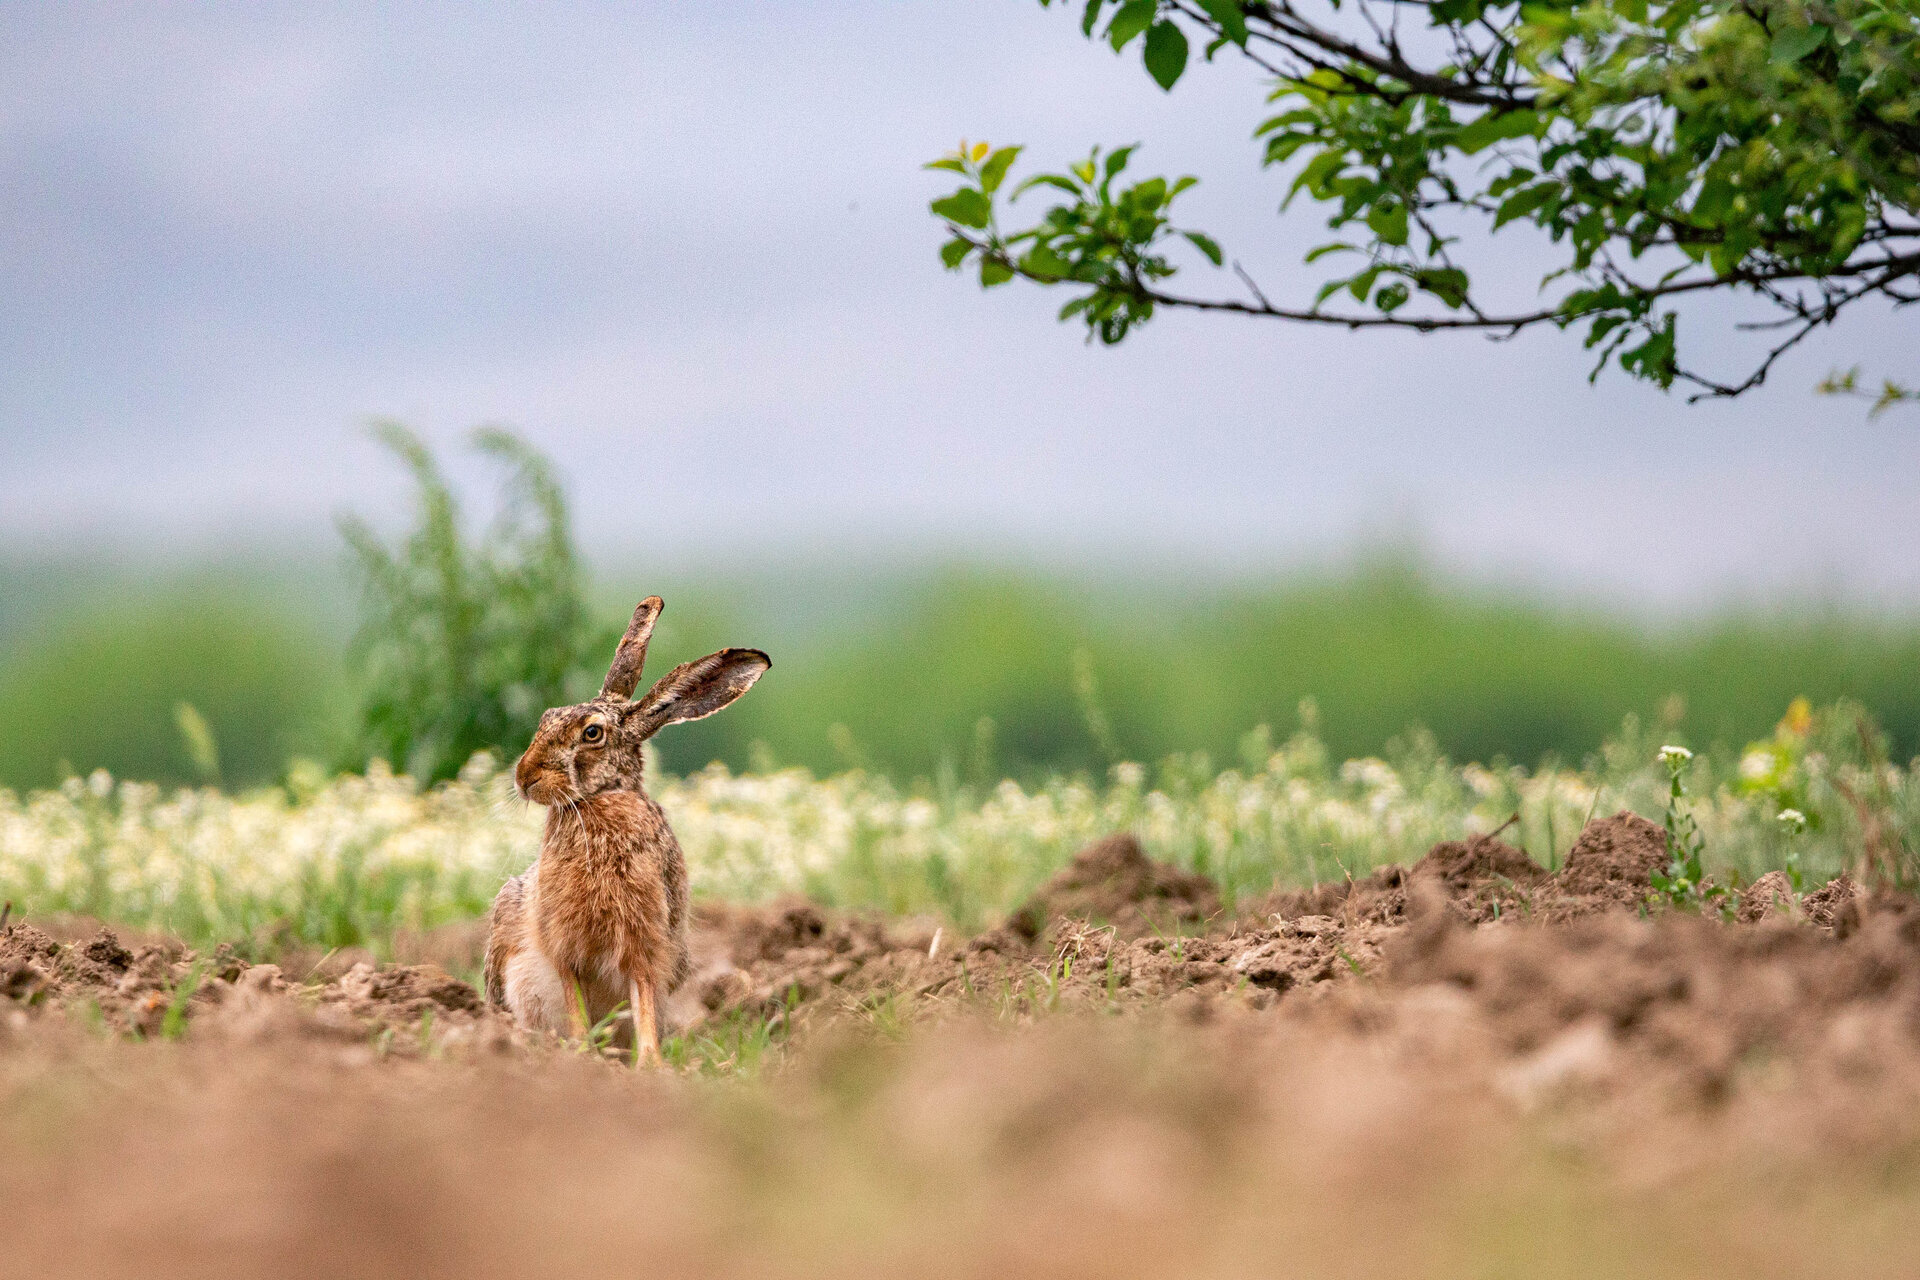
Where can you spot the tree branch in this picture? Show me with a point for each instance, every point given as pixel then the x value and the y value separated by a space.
pixel 1894 268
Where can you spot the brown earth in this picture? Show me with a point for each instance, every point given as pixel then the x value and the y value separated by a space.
pixel 1113 881
pixel 1466 1066
pixel 134 991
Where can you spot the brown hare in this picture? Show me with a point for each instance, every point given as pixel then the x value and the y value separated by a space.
pixel 601 915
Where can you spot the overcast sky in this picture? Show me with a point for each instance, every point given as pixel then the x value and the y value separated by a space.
pixel 686 249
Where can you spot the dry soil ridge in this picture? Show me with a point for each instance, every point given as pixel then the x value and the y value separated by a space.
pixel 1526 957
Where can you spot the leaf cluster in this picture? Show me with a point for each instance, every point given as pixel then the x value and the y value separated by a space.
pixel 1107 236
pixel 1890 393
pixel 1665 148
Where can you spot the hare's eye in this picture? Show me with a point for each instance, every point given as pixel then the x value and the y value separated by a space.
pixel 593 733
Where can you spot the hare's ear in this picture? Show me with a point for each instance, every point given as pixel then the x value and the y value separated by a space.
pixel 698 688
pixel 632 653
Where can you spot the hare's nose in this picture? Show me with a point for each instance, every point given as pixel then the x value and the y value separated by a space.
pixel 524 772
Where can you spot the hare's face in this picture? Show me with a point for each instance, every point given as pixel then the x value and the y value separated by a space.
pixel 577 752
pixel 583 750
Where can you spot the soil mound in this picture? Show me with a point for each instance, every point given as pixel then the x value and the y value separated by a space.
pixel 140 990
pixel 1380 896
pixel 1612 863
pixel 1771 894
pixel 1481 878
pixel 27 962
pixel 1112 927
pixel 1622 1002
pixel 1113 882
pixel 1824 905
pixel 770 958
pixel 1464 866
pixel 752 934
pixel 1540 985
pixel 407 991
pixel 1108 929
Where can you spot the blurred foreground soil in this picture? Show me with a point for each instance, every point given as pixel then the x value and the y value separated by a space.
pixel 1469 1066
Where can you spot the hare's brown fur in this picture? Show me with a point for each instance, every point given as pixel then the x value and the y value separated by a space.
pixel 600 918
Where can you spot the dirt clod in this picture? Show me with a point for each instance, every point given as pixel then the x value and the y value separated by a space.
pixel 1613 861
pixel 1113 882
pixel 135 990
pixel 402 992
pixel 1823 905
pixel 1466 867
pixel 1772 893
pixel 105 949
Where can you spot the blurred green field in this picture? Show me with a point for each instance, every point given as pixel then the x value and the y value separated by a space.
pixel 963 672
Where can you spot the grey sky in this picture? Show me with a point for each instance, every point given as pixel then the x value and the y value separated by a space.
pixel 685 248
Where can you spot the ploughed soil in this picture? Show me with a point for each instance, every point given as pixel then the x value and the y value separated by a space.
pixel 1469 1065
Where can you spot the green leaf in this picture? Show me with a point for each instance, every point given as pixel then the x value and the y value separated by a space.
pixel 1523 202
pixel 1090 17
pixel 1118 160
pixel 1389 222
pixel 952 163
pixel 1232 20
pixel 993 272
pixel 994 171
pixel 1282 146
pixel 1492 128
pixel 967 207
pixel 1059 181
pixel 1517 176
pixel 1449 284
pixel 1321 251
pixel 1319 171
pixel 1790 44
pixel 1043 261
pixel 1132 18
pixel 1653 359
pixel 954 252
pixel 1299 115
pixel 1361 284
pixel 1206 244
pixel 1166 54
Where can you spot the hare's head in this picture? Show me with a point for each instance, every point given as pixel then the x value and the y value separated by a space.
pixel 582 750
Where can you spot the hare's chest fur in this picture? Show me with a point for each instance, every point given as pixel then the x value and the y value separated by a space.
pixel 605 888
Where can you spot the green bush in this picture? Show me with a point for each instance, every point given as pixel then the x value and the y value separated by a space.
pixel 463 644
